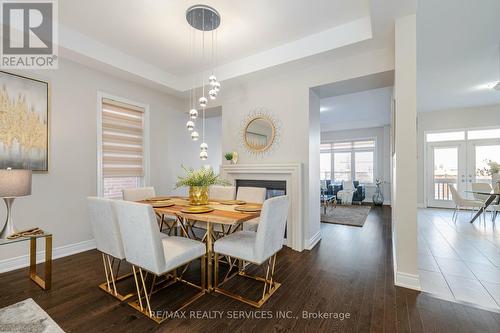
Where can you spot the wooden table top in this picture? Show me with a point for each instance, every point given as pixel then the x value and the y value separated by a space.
pixel 222 214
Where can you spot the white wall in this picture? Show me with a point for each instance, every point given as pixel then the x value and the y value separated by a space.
pixel 481 116
pixel 57 203
pixel 313 232
pixel 382 154
pixel 185 151
pixel 404 212
pixel 286 95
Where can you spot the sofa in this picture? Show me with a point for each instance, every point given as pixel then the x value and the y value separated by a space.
pixel 333 187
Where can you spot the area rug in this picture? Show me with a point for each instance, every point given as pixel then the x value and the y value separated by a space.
pixel 27 317
pixel 347 215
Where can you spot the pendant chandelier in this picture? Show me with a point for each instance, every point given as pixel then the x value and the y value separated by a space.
pixel 202 19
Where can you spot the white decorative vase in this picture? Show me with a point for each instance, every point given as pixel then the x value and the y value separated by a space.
pixel 235 158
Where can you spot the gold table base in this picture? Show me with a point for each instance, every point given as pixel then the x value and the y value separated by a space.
pixel 47 283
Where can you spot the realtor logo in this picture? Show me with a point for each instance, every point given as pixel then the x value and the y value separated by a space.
pixel 29 34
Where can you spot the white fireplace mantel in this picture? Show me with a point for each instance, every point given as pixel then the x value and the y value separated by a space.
pixel 292 174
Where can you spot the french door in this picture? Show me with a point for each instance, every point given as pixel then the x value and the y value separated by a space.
pixel 459 164
pixel 446 166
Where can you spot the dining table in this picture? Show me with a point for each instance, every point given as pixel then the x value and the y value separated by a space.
pixel 224 214
pixel 493 197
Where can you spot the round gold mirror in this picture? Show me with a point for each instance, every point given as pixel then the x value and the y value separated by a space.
pixel 259 134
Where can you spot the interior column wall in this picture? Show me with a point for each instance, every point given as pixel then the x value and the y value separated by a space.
pixel 404 213
pixel 313 231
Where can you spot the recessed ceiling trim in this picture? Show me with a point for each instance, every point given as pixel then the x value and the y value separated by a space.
pixel 343 35
pixel 73 41
pixel 75 44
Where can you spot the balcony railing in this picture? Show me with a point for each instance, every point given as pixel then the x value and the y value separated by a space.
pixel 442 187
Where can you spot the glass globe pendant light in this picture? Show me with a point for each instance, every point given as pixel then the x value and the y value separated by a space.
pixel 205 19
pixel 193 114
pixel 212 79
pixel 213 94
pixel 216 86
pixel 203 101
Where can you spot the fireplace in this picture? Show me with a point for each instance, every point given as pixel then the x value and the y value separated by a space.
pixel 278 179
pixel 274 187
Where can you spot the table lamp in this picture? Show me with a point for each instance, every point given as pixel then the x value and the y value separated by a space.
pixel 13 184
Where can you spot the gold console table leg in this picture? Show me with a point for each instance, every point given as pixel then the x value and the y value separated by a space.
pixel 47 283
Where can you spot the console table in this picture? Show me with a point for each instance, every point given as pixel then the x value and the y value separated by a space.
pixel 45 283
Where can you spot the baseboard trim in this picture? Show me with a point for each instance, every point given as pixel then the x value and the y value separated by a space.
pixel 405 280
pixel 11 264
pixel 311 243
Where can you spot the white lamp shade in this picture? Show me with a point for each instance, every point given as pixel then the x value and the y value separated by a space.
pixel 15 183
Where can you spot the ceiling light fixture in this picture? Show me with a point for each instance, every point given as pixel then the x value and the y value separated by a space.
pixel 202 18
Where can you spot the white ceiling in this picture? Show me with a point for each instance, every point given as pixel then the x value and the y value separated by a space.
pixel 151 38
pixel 147 41
pixel 364 109
pixel 458 53
pixel 157 32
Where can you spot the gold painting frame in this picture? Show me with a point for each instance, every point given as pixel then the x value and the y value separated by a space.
pixel 43 90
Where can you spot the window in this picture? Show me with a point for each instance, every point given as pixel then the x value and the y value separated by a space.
pixel 348 160
pixel 341 166
pixel 122 147
pixel 484 134
pixel 475 134
pixel 445 136
pixel 325 162
pixel 364 166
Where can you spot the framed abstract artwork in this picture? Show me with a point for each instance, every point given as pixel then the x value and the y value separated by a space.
pixel 24 123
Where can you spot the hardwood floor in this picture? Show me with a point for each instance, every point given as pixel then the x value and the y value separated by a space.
pixel 350 271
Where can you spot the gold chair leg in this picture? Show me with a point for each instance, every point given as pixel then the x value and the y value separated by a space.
pixel 142 291
pixel 216 270
pixel 110 285
pixel 270 286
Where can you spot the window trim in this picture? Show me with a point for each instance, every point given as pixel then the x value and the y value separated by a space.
pixel 465 129
pixel 146 153
pixel 353 151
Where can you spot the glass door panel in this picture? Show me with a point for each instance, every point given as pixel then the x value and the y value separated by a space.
pixel 446 167
pixel 481 153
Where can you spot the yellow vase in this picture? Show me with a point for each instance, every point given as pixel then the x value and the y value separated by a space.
pixel 198 195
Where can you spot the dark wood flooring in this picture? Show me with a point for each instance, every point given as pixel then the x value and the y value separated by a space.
pixel 350 271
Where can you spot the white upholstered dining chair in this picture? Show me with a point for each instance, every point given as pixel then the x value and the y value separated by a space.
pixel 143 193
pixel 108 241
pixel 253 195
pixel 481 187
pixel 217 192
pixel 152 252
pixel 460 202
pixel 137 194
pixel 255 247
